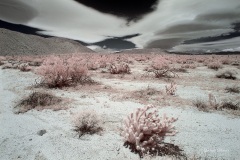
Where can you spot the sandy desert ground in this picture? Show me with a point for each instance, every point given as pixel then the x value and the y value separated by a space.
pixel 48 134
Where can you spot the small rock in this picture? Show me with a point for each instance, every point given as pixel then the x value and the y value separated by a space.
pixel 41 132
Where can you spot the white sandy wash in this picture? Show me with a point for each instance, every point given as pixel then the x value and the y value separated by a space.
pixel 203 134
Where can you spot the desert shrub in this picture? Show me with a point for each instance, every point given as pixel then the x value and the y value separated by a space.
pixel 213 104
pixel 165 73
pixel 214 65
pixel 183 70
pixel 188 66
pixel 24 67
pixel 37 99
pixel 35 63
pixel 160 64
pixel 227 75
pixel 146 92
pixel 200 104
pixel 226 61
pixel 204 106
pixel 119 69
pixel 1 63
pixel 233 89
pixel 145 130
pixel 92 66
pixel 171 89
pixel 230 105
pixel 88 122
pixel 58 72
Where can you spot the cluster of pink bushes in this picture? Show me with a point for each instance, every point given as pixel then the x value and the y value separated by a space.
pixel 60 72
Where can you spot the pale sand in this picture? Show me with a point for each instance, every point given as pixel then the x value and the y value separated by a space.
pixel 211 135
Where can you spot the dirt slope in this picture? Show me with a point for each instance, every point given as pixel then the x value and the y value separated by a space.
pixel 15 43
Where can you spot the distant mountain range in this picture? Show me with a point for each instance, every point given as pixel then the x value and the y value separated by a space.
pixel 16 43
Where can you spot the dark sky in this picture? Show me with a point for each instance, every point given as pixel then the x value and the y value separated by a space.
pixel 167 24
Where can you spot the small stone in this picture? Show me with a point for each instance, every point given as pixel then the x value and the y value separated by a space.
pixel 41 132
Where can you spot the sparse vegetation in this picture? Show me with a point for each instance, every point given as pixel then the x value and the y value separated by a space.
pixel 88 122
pixel 144 93
pixel 201 105
pixel 227 75
pixel 215 65
pixel 230 105
pixel 36 99
pixel 233 89
pixel 165 73
pixel 119 69
pixel 171 89
pixel 24 67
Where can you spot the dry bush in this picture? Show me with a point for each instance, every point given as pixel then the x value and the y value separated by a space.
pixel 92 66
pixel 227 74
pixel 160 64
pixel 213 104
pixel 145 130
pixel 24 67
pixel 230 105
pixel 1 63
pixel 88 122
pixel 171 89
pixel 226 61
pixel 233 89
pixel 37 99
pixel 165 73
pixel 58 72
pixel 204 106
pixel 119 69
pixel 35 63
pixel 188 66
pixel 145 94
pixel 215 65
pixel 183 70
pixel 201 105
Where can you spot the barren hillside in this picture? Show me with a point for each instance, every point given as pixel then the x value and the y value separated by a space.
pixel 15 43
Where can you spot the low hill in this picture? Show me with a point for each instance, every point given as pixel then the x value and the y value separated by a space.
pixel 15 43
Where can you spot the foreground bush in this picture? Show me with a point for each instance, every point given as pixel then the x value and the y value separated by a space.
pixel 37 99
pixel 145 130
pixel 58 72
pixel 233 89
pixel 87 122
pixel 227 75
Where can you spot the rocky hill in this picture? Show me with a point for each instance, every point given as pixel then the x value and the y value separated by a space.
pixel 15 43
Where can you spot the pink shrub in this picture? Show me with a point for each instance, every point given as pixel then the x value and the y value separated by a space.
pixel 214 65
pixel 190 66
pixel 119 69
pixel 160 64
pixel 146 130
pixel 58 72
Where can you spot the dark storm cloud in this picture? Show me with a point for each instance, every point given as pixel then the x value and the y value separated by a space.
pixel 115 43
pixel 16 11
pixel 129 9
pixel 235 33
pixel 188 27
pixel 164 43
pixel 219 16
